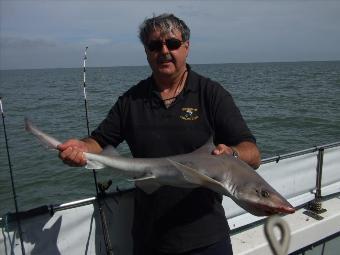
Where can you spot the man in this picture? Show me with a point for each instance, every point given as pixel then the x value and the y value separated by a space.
pixel 172 112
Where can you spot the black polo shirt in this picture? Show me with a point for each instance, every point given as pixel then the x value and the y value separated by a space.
pixel 175 219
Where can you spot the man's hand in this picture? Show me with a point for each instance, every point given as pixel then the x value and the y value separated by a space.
pixel 71 152
pixel 246 151
pixel 222 149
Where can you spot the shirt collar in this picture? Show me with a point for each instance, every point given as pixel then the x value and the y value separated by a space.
pixel 191 83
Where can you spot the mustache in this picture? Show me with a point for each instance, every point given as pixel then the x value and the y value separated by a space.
pixel 165 57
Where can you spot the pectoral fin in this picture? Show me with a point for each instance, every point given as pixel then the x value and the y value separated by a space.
pixel 193 176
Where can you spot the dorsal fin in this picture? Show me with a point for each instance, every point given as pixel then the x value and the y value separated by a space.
pixel 207 148
pixel 109 151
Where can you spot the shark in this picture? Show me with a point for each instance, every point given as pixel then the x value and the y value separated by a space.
pixel 223 174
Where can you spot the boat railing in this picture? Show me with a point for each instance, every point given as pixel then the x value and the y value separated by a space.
pixel 277 158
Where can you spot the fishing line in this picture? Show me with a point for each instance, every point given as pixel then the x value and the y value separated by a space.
pixel 101 212
pixel 12 179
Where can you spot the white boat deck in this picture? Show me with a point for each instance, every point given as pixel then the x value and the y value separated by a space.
pixel 305 230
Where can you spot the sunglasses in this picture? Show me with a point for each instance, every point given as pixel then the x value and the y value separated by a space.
pixel 171 44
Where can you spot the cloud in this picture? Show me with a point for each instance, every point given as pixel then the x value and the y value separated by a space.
pixel 25 43
pixel 54 33
pixel 97 41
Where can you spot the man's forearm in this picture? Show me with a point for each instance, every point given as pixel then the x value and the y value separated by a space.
pixel 249 153
pixel 92 145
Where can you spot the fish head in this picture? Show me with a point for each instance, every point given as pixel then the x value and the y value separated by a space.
pixel 262 200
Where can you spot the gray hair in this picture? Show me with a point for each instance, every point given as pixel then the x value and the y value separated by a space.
pixel 166 23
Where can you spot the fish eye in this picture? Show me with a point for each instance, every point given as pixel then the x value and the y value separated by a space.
pixel 264 193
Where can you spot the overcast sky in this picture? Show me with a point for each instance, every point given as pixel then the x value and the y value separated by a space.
pixel 47 34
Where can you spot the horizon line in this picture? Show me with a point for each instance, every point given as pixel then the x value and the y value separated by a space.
pixel 213 63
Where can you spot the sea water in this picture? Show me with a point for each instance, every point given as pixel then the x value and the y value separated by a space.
pixel 287 106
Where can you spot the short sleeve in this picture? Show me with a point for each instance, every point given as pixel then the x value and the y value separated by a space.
pixel 109 131
pixel 229 126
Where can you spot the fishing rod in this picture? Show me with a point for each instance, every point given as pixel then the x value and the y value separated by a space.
pixel 12 180
pixel 101 212
pixel 86 114
pixel 85 97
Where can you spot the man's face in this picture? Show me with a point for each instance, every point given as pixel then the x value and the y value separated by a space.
pixel 165 61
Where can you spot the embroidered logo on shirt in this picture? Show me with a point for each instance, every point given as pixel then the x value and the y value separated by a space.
pixel 189 114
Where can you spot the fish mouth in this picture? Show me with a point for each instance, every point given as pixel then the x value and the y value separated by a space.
pixel 287 209
pixel 284 209
pixel 268 210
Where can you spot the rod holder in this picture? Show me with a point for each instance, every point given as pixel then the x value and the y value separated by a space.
pixel 316 204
